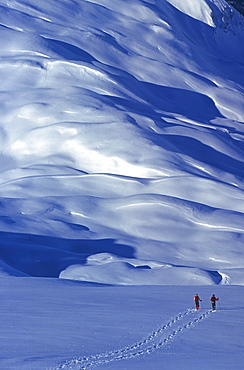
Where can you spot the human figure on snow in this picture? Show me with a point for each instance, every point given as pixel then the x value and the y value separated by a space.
pixel 197 300
pixel 213 300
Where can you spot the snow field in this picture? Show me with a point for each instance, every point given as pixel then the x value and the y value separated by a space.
pixel 50 323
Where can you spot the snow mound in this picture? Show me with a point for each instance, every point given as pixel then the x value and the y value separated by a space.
pixel 109 269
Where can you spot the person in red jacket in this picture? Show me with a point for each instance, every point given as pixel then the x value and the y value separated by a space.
pixel 213 300
pixel 197 300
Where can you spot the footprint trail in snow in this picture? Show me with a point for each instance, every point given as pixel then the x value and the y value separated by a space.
pixel 146 346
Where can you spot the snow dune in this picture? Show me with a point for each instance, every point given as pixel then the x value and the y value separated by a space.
pixel 122 141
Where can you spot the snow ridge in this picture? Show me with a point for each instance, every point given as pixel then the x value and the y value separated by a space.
pixel 154 341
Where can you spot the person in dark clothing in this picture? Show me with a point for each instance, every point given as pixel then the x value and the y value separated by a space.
pixel 197 300
pixel 213 300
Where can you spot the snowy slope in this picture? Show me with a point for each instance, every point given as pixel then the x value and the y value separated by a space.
pixel 122 141
pixel 121 137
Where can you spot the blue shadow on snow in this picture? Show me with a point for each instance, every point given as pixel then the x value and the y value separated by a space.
pixel 45 256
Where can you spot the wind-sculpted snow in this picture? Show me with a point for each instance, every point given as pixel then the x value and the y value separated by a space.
pixel 121 132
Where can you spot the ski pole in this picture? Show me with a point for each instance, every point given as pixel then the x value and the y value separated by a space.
pixel 219 304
